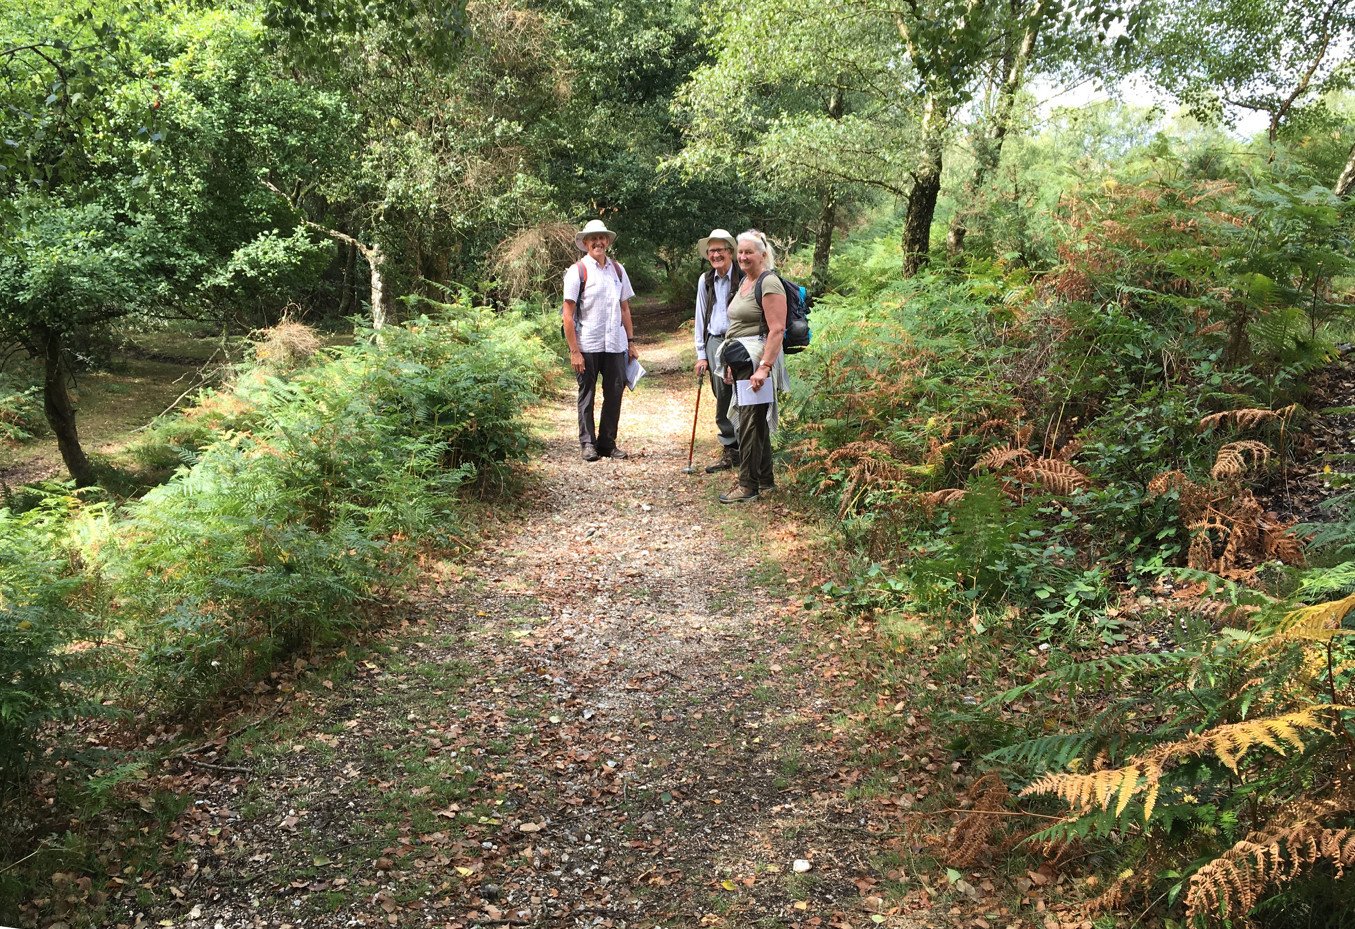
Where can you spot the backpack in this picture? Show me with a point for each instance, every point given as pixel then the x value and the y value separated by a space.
pixel 583 286
pixel 798 302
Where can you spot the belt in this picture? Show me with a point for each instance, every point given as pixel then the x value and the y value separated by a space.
pixel 715 335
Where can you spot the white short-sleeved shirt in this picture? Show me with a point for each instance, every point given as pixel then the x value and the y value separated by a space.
pixel 598 321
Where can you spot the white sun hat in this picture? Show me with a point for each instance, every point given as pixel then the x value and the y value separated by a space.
pixel 722 235
pixel 594 227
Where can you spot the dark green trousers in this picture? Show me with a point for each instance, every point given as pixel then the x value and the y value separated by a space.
pixel 755 448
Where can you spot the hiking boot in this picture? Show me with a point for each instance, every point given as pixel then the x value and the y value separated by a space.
pixel 616 453
pixel 729 458
pixel 589 452
pixel 739 494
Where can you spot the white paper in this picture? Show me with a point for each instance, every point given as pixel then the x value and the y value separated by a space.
pixel 633 373
pixel 750 397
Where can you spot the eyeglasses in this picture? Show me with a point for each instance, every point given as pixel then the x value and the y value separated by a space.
pixel 717 251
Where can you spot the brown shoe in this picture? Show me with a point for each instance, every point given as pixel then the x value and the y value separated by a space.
pixel 739 494
pixel 729 458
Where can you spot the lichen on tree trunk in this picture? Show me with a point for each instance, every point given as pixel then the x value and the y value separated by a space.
pixel 1346 182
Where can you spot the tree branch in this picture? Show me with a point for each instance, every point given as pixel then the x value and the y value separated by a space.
pixel 1302 88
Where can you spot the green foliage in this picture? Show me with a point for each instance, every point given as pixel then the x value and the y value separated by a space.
pixel 1181 725
pixel 1236 55
pixel 298 503
pixel 20 410
pixel 314 496
pixel 39 578
pixel 1033 493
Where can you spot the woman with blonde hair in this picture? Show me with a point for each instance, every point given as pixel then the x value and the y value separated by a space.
pixel 751 360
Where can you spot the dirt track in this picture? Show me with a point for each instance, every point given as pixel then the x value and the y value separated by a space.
pixel 611 715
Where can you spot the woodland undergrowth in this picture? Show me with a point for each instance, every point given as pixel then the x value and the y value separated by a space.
pixel 1060 469
pixel 304 491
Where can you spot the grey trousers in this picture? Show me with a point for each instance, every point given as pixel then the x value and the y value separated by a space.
pixel 612 367
pixel 723 392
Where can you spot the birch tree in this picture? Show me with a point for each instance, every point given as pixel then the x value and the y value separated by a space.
pixel 1226 58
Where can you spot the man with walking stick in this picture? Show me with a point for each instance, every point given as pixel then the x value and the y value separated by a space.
pixel 713 290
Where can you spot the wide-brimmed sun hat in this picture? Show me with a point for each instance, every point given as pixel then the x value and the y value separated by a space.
pixel 719 235
pixel 594 227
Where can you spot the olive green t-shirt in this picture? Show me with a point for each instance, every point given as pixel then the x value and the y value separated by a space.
pixel 745 318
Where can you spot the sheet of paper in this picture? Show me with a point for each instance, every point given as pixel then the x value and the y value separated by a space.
pixel 633 373
pixel 750 397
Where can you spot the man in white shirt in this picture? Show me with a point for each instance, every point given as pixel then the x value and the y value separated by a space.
pixel 713 290
pixel 598 329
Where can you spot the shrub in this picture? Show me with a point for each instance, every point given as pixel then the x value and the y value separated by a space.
pixel 21 415
pixel 313 494
pixel 38 621
pixel 1035 452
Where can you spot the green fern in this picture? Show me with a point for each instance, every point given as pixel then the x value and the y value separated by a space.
pixel 1101 672
pixel 1045 752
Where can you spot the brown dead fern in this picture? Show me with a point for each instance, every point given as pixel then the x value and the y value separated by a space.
pixel 1194 499
pixel 1057 477
pixel 530 258
pixel 980 828
pixel 995 459
pixel 1231 885
pixel 1069 451
pixel 1232 461
pixel 873 467
pixel 930 501
pixel 1247 418
pixel 1278 543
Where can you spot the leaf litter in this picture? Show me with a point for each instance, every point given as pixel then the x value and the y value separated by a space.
pixel 612 715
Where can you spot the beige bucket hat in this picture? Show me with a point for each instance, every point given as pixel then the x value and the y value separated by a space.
pixel 594 227
pixel 720 235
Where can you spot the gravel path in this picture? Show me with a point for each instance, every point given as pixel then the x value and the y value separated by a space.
pixel 613 714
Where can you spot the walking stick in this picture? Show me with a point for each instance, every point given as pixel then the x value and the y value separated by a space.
pixel 691 446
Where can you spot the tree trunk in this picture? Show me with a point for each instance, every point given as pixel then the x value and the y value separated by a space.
pixel 917 228
pixel 823 239
pixel 823 234
pixel 347 292
pixel 1346 182
pixel 56 403
pixel 376 260
pixel 988 154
